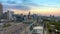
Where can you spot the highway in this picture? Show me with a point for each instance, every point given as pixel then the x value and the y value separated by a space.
pixel 27 30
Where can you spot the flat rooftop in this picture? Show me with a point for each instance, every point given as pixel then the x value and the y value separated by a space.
pixel 38 27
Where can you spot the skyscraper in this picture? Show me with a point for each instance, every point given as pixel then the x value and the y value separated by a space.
pixel 10 15
pixel 1 9
pixel 29 15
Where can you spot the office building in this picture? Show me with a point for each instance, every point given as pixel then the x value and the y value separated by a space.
pixel 1 9
pixel 10 15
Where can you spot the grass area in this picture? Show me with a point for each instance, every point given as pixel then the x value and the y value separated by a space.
pixel 6 25
pixel 56 26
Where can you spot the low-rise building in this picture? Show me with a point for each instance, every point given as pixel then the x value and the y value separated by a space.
pixel 37 30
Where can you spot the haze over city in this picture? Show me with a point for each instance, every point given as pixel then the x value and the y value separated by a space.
pixel 29 16
pixel 44 7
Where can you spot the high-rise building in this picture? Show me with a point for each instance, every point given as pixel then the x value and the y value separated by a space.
pixel 29 15
pixel 1 9
pixel 10 15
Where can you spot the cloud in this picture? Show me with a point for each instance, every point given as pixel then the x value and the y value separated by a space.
pixel 18 7
pixel 11 2
pixel 15 4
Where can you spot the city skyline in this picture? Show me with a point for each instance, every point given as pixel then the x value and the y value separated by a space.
pixel 45 7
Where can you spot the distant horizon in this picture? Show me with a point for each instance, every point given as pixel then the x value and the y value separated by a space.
pixel 27 12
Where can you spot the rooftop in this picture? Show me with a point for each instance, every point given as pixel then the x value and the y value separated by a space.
pixel 38 27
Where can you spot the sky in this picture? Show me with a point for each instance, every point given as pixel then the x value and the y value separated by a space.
pixel 44 7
